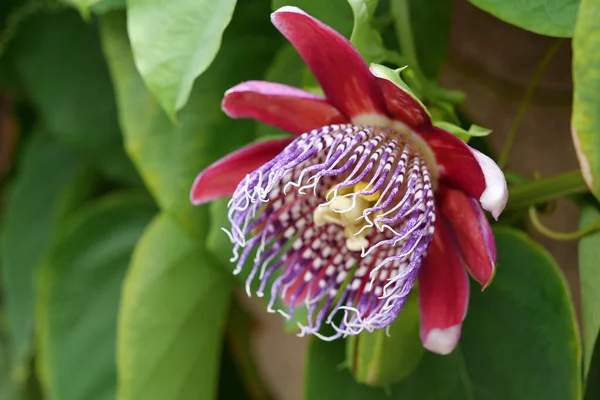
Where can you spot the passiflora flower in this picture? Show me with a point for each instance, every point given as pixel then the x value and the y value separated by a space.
pixel 367 198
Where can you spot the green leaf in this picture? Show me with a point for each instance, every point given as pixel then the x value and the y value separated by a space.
pixel 366 39
pixel 430 23
pixel 217 241
pixel 382 358
pixel 174 42
pixel 287 67
pixel 523 326
pixel 50 182
pixel 465 135
pixel 335 13
pixel 80 287
pixel 173 313
pixel 519 341
pixel 83 116
pixel 169 157
pixel 589 277
pixel 546 17
pixel 585 120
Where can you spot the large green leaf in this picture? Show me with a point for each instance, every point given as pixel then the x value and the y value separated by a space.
pixel 585 123
pixel 80 287
pixel 519 341
pixel 427 25
pixel 174 42
pixel 524 323
pixel 546 17
pixel 60 62
pixel 50 182
pixel 335 13
pixel 172 318
pixel 589 276
pixel 169 157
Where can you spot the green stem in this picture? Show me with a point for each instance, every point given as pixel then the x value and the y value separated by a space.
pixel 525 100
pixel 455 97
pixel 401 13
pixel 527 194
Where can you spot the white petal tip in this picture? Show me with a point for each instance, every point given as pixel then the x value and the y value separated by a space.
pixel 494 198
pixel 495 195
pixel 442 341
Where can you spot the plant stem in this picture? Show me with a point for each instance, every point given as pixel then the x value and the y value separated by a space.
pixel 527 194
pixel 401 12
pixel 525 100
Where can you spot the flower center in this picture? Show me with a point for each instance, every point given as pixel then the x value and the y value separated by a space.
pixel 372 179
pixel 347 211
pixel 345 214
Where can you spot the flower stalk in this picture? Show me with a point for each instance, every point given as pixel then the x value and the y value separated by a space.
pixel 539 191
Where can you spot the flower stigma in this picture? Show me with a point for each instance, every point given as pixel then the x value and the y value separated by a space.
pixel 347 211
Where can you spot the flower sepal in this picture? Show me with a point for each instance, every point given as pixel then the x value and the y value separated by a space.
pixel 463 134
pixel 394 76
pixel 384 357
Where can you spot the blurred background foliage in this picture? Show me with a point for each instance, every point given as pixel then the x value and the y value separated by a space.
pixel 114 286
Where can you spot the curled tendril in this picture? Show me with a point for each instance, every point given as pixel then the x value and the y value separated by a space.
pixel 564 236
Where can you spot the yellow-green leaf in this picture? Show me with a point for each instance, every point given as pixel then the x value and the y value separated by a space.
pixel 174 42
pixel 585 123
pixel 546 17
pixel 173 314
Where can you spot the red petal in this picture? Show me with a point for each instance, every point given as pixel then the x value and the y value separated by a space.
pixel 473 233
pixel 443 293
pixel 221 178
pixel 401 105
pixel 344 76
pixel 457 166
pixel 285 107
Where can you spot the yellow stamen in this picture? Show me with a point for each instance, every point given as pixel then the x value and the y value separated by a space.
pixel 346 210
pixel 371 197
pixel 340 192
